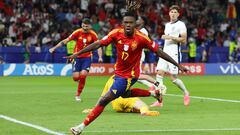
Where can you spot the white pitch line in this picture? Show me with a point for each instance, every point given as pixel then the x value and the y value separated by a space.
pixel 207 98
pixel 31 125
pixel 178 130
pixel 167 130
pixel 132 131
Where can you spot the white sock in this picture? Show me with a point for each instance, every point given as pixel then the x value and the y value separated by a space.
pixel 81 126
pixel 159 78
pixel 181 85
pixel 145 82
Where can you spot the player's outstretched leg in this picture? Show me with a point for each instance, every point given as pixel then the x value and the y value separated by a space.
pixel 137 92
pixel 97 110
pixel 81 84
pixel 151 113
pixel 163 89
pixel 157 94
pixel 180 84
pixel 142 107
pixel 76 130
pixel 157 104
pixel 144 110
pixel 186 100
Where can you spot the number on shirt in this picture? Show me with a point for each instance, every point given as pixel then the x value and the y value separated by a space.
pixel 124 55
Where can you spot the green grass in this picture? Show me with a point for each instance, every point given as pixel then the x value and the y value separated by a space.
pixel 49 102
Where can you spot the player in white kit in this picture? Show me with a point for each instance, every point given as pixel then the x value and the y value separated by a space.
pixel 175 34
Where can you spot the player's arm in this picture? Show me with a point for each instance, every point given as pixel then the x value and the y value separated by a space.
pixel 153 46
pixel 95 45
pixel 61 43
pixel 99 51
pixel 73 36
pixel 182 39
pixel 100 59
pixel 168 58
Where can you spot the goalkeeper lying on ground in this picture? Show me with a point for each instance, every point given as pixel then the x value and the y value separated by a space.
pixel 133 105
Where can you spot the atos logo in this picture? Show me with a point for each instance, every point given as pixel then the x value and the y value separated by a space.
pixel 230 69
pixel 35 69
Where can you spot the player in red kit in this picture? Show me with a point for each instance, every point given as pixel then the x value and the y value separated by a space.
pixel 81 64
pixel 129 43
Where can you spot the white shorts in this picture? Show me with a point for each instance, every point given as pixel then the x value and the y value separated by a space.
pixel 167 66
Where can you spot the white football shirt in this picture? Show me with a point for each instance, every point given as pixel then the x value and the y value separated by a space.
pixel 173 29
pixel 172 48
pixel 144 31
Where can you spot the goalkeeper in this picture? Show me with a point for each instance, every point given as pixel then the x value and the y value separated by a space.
pixel 127 105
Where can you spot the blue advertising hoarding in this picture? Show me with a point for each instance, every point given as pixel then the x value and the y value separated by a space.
pixel 222 69
pixel 107 69
pixel 37 69
pixel 1 70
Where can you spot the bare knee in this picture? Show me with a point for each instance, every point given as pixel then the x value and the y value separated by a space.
pixel 75 77
pixel 83 73
pixel 160 72
pixel 107 98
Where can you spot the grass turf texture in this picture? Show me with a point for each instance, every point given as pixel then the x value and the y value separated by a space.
pixel 49 102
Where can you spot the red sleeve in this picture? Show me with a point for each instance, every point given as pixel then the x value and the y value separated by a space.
pixel 74 35
pixel 151 45
pixel 95 37
pixel 106 40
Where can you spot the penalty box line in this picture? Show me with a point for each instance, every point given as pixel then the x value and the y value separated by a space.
pixel 46 130
pixel 43 129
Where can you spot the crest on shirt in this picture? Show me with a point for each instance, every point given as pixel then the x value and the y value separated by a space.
pixel 80 38
pixel 126 47
pixel 134 45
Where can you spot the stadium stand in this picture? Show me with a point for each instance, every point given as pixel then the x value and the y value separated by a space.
pixel 42 23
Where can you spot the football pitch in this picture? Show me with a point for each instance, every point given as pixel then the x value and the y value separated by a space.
pixel 46 105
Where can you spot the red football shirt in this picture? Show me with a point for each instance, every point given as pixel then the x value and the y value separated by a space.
pixel 83 40
pixel 129 50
